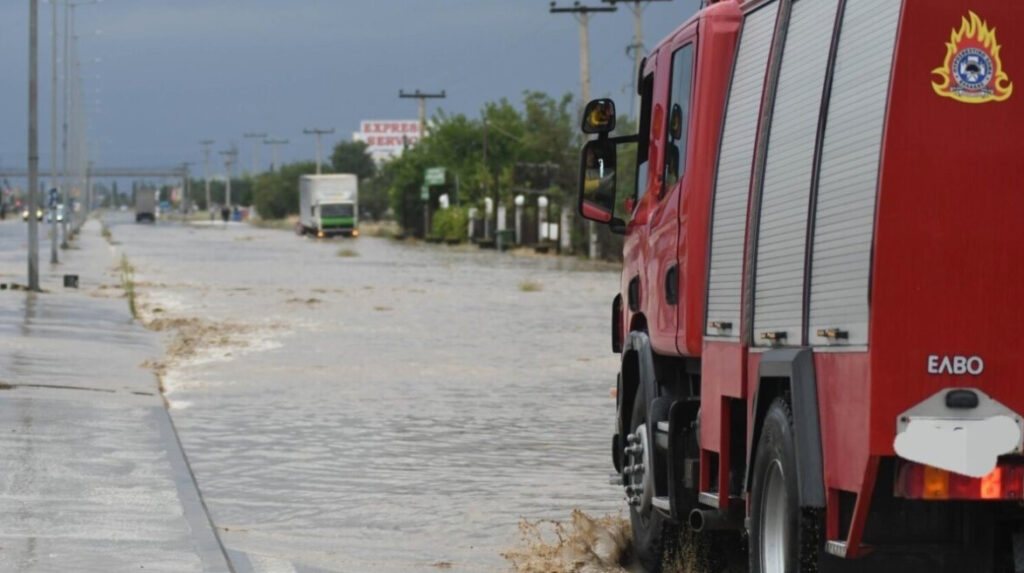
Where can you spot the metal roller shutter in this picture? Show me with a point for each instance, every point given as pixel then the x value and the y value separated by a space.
pixel 789 163
pixel 732 184
pixel 847 187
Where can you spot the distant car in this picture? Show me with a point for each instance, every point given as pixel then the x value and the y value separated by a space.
pixel 60 214
pixel 39 215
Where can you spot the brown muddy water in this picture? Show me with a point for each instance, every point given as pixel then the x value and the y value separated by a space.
pixel 367 405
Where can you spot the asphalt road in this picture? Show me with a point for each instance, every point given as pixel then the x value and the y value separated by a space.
pixel 367 405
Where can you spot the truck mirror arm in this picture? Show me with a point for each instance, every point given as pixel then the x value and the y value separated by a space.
pixel 617 226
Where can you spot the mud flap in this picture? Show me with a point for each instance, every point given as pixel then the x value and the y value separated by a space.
pixel 797 366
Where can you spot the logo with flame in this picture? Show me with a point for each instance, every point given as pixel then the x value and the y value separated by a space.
pixel 972 71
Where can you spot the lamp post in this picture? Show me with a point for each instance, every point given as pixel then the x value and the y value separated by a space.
pixel 69 26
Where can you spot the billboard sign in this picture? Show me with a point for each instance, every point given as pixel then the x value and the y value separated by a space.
pixel 386 139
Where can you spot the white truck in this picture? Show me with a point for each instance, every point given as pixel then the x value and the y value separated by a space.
pixel 328 205
pixel 145 206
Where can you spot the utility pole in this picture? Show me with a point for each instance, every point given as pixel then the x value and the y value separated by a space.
pixel 276 144
pixel 318 133
pixel 423 97
pixel 637 7
pixel 206 143
pixel 185 177
pixel 257 138
pixel 88 184
pixel 229 164
pixel 53 136
pixel 487 185
pixel 582 15
pixel 33 144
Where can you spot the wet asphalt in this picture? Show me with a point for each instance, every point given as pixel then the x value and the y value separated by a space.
pixel 370 405
pixel 91 474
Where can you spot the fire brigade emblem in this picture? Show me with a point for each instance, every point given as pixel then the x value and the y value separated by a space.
pixel 972 71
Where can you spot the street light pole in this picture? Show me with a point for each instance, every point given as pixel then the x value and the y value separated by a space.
pixel 185 176
pixel 53 134
pixel 67 102
pixel 318 133
pixel 206 143
pixel 33 144
pixel 229 164
pixel 257 138
pixel 276 145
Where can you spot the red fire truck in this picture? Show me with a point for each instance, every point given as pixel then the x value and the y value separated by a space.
pixel 820 300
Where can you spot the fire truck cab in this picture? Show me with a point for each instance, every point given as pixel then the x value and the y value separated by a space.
pixel 820 311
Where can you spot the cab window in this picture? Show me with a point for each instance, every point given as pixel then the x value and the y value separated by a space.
pixel 678 116
pixel 644 133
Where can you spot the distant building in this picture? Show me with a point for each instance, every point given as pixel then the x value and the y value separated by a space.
pixel 386 138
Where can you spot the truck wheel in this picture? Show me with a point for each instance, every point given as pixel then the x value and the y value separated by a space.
pixel 654 535
pixel 300 230
pixel 783 539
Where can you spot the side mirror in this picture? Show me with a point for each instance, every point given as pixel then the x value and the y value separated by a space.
pixel 599 116
pixel 597 180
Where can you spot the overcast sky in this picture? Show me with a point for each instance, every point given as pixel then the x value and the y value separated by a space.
pixel 174 72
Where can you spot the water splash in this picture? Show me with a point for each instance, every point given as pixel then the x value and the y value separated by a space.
pixel 585 545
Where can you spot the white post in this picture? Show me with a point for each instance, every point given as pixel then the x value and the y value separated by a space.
pixel 519 201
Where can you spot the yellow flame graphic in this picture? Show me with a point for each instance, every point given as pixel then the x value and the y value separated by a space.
pixel 973 32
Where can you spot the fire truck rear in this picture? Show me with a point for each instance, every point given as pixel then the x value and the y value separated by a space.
pixel 820 316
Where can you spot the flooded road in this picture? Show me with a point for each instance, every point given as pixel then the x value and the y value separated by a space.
pixel 368 405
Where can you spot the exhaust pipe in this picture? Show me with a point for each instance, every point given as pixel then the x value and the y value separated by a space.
pixel 714 520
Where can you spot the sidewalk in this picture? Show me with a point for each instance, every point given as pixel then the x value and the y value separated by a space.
pixel 92 476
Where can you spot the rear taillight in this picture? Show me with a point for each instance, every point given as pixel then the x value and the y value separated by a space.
pixel 918 481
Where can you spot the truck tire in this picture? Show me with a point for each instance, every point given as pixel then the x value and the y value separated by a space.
pixel 783 537
pixel 300 230
pixel 654 536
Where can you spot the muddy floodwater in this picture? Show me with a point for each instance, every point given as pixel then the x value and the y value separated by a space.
pixel 369 405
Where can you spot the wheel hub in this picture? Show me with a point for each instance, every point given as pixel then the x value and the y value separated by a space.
pixel 636 475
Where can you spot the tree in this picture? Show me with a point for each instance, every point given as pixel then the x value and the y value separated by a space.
pixel 353 157
pixel 542 131
pixel 276 195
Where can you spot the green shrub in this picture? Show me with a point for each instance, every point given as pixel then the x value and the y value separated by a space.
pixel 451 224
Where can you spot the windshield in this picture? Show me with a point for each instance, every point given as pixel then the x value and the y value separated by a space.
pixel 336 210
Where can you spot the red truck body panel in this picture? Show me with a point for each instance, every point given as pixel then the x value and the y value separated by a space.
pixel 671 228
pixel 949 243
